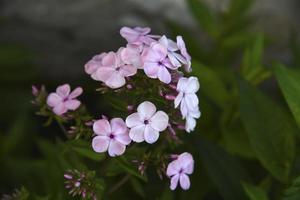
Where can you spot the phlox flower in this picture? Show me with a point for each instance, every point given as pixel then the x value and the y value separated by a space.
pixel 156 62
pixel 63 99
pixel 146 123
pixel 114 68
pixel 187 98
pixel 94 64
pixel 187 58
pixel 111 136
pixel 137 36
pixel 179 169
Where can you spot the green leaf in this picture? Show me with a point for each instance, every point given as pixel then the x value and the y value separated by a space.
pixel 84 149
pixel 293 192
pixel 214 87
pixel 270 131
pixel 289 82
pixel 223 169
pixel 205 17
pixel 254 192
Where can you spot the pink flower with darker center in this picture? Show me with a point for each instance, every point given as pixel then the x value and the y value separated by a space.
pixel 156 62
pixel 179 169
pixel 63 100
pixel 111 136
pixel 146 123
pixel 187 58
pixel 137 35
pixel 115 67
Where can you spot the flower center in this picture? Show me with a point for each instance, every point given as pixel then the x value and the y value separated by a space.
pixel 111 136
pixel 118 69
pixel 160 63
pixel 180 171
pixel 146 121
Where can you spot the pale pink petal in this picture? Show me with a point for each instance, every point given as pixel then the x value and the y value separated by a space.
pixel 116 80
pixel 134 120
pixel 151 135
pixel 173 168
pixel 190 124
pixel 187 162
pixel 178 99
pixel 183 109
pixel 53 100
pixel 129 34
pixel 63 90
pixel 182 47
pixel 102 127
pixel 142 30
pixel 116 148
pixel 118 126
pixel 104 73
pixel 159 50
pixel 123 138
pixel 164 75
pixel 110 60
pixel 60 109
pixel 173 60
pixel 182 84
pixel 128 70
pixel 163 41
pixel 191 100
pixel 100 143
pixel 180 58
pixel 91 66
pixel 195 112
pixel 174 182
pixel 159 121
pixel 146 110
pixel 192 85
pixel 72 104
pixel 184 181
pixel 75 93
pixel 131 55
pixel 151 69
pixel 137 133
pixel 172 46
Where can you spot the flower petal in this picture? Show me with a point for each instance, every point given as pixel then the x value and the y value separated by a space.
pixel 164 75
pixel 53 100
pixel 128 70
pixel 184 181
pixel 60 109
pixel 63 90
pixel 102 127
pixel 173 168
pixel 178 99
pixel 192 85
pixel 118 126
pixel 129 34
pixel 174 182
pixel 151 135
pixel 182 84
pixel 159 121
pixel 191 100
pixel 134 120
pixel 187 162
pixel 137 133
pixel 123 138
pixel 146 110
pixel 116 80
pixel 75 93
pixel 183 109
pixel 151 69
pixel 190 124
pixel 100 143
pixel 72 104
pixel 116 148
pixel 110 60
pixel 103 73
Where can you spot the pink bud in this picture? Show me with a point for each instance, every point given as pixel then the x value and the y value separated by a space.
pixel 174 156
pixel 170 97
pixel 129 86
pixel 130 107
pixel 77 184
pixel 67 176
pixel 34 90
pixel 181 127
pixel 172 86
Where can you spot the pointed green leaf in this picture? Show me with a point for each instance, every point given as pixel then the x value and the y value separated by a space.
pixel 289 82
pixel 270 131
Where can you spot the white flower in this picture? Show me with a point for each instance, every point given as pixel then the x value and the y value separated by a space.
pixel 146 123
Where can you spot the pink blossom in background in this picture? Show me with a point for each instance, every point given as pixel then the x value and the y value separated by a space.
pixel 156 63
pixel 137 35
pixel 187 58
pixel 93 65
pixel 114 69
pixel 146 123
pixel 111 136
pixel 63 99
pixel 179 169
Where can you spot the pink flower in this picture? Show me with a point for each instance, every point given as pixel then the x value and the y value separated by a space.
pixel 112 137
pixel 179 169
pixel 63 100
pixel 93 65
pixel 187 58
pixel 146 123
pixel 115 68
pixel 156 63
pixel 187 98
pixel 137 35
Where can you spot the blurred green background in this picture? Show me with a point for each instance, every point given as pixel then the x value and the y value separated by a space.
pixel 245 53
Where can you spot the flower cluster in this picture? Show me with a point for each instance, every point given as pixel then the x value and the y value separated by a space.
pixel 164 64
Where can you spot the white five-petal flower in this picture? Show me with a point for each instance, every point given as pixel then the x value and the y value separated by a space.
pixel 146 123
